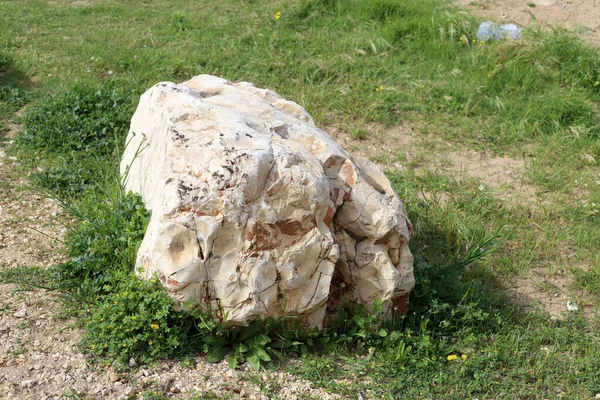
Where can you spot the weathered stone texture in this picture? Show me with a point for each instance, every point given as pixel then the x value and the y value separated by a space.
pixel 255 211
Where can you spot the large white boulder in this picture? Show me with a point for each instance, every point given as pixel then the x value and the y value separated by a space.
pixel 255 211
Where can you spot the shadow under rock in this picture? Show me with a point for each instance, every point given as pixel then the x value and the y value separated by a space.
pixel 15 86
pixel 459 290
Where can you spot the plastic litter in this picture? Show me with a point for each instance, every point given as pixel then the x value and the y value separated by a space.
pixel 490 30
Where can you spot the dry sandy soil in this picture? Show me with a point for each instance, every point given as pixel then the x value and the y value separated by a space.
pixel 39 358
pixel 580 16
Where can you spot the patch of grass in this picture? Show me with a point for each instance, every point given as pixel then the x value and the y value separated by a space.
pixel 103 246
pixel 26 277
pixel 84 119
pixel 135 320
pixel 517 360
pixel 68 177
pixel 205 396
pixel 13 94
pixel 12 98
pixel 80 131
pixel 589 278
pixel 4 309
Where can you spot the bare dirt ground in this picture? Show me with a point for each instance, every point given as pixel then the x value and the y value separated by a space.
pixel 579 16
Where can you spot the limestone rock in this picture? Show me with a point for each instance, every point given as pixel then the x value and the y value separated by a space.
pixel 255 211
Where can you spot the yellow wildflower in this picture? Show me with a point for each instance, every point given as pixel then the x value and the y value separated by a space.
pixel 452 357
pixel 133 318
pixel 463 357
pixel 277 15
pixel 463 38
pixel 380 88
pixel 154 326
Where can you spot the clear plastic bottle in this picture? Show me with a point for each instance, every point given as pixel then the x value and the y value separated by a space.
pixel 489 30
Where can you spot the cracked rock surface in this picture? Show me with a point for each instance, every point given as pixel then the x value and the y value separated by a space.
pixel 256 212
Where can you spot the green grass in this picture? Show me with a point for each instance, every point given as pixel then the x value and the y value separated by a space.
pixel 81 132
pixel 26 276
pixel 353 64
pixel 13 94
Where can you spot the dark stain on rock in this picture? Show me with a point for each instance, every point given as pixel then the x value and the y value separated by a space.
pixel 315 145
pixel 339 291
pixel 189 208
pixel 210 92
pixel 262 237
pixel 177 136
pixel 400 304
pixel 289 227
pixel 347 174
pixel 332 165
pixel 183 190
pixel 347 196
pixel 335 194
pixel 356 238
pixel 282 131
pixel 328 217
pixel 385 239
